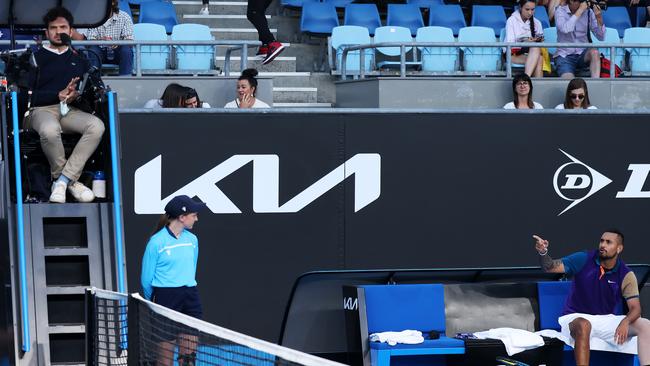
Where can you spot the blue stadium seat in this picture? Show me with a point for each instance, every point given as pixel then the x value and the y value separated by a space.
pixel 540 14
pixel 139 2
pixel 124 6
pixel 392 34
pixel 153 57
pixel 319 18
pixel 639 57
pixel 618 18
pixel 479 59
pixel 437 59
pixel 158 12
pixel 339 3
pixel 193 57
pixel 491 16
pixel 425 3
pixel 611 36
pixel 401 307
pixel 405 15
pixel 363 15
pixel 450 16
pixel 352 35
pixel 550 36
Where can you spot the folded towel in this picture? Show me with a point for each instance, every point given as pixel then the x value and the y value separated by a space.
pixel 392 338
pixel 515 340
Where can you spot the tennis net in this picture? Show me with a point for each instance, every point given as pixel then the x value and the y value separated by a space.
pixel 161 336
pixel 106 327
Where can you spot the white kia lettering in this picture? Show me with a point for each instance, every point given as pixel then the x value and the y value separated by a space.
pixel 366 169
pixel 350 303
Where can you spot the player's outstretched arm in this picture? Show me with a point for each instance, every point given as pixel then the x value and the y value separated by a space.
pixel 547 263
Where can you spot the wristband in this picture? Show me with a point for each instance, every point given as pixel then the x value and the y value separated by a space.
pixel 543 254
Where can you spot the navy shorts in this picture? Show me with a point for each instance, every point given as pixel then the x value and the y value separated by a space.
pixel 571 63
pixel 182 299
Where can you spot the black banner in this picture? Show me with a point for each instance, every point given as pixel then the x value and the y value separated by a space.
pixel 297 192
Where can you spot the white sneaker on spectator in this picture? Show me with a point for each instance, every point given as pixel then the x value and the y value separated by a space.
pixel 204 11
pixel 80 192
pixel 58 192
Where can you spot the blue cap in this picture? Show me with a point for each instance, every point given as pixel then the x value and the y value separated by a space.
pixel 182 205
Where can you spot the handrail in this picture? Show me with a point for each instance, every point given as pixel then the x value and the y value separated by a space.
pixel 117 198
pixel 346 48
pixel 231 46
pixel 20 228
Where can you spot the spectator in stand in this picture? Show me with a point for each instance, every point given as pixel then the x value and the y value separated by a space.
pixel 577 96
pixel 246 90
pixel 177 96
pixel 552 6
pixel 522 94
pixel 54 88
pixel 270 48
pixel 523 27
pixel 574 22
pixel 118 27
pixel 204 10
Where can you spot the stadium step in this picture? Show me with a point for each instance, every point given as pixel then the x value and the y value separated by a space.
pixel 245 34
pixel 294 95
pixel 220 20
pixel 302 105
pixel 216 7
pixel 280 64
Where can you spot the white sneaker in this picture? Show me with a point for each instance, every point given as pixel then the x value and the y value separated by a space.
pixel 204 11
pixel 80 192
pixel 58 192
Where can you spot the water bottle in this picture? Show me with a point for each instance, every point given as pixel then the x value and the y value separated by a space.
pixel 99 184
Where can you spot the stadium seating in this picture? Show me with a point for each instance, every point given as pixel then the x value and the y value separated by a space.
pixel 437 59
pixel 425 3
pixel 139 2
pixel 611 36
pixel 158 12
pixel 318 18
pixel 480 59
pixel 641 17
pixel 363 15
pixel 351 35
pixel 450 16
pixel 124 6
pixel 502 38
pixel 400 307
pixel 639 57
pixel 618 18
pixel 550 36
pixel 193 57
pixel 405 15
pixel 153 57
pixel 392 34
pixel 491 16
pixel 339 3
pixel 552 296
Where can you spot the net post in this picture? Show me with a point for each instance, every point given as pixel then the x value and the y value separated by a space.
pixel 133 317
pixel 90 319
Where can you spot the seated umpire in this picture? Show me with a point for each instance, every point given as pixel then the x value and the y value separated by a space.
pixel 54 86
pixel 601 282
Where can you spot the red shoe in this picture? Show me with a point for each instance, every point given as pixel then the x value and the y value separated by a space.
pixel 262 51
pixel 275 48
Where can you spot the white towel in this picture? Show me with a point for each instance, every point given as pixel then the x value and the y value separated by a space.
pixel 515 340
pixel 602 333
pixel 393 338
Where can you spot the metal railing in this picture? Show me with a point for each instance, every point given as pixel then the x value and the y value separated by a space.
pixel 230 46
pixel 346 49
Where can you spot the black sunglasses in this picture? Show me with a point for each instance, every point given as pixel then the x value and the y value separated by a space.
pixel 577 96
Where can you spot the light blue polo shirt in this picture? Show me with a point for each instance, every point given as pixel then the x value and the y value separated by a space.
pixel 169 261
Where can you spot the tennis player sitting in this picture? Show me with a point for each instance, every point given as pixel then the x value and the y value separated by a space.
pixel 601 281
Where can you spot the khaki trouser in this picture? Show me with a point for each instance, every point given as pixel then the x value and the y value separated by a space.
pixel 49 124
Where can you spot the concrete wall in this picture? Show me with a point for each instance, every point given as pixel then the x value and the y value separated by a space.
pixel 135 92
pixel 481 93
